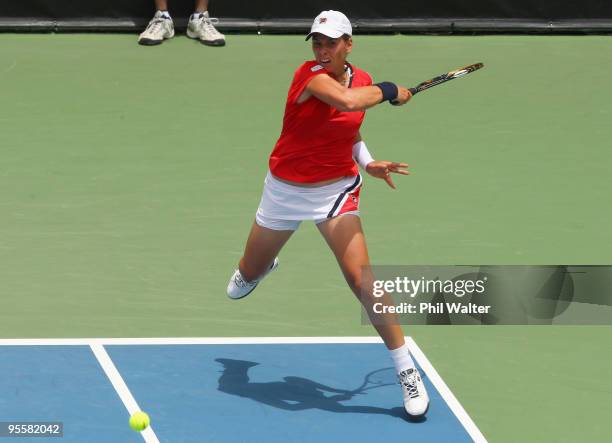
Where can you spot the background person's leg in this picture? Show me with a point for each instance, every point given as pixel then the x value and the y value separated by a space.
pixel 161 5
pixel 202 27
pixel 200 5
pixel 159 28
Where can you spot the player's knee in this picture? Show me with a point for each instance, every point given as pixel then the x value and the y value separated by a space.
pixel 362 285
pixel 356 282
pixel 353 281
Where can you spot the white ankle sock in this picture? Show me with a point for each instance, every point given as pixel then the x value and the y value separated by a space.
pixel 196 15
pixel 401 358
pixel 165 14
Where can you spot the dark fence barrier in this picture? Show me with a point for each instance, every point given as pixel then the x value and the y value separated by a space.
pixel 293 16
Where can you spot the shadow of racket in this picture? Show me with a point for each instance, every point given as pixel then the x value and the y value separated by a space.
pixel 377 379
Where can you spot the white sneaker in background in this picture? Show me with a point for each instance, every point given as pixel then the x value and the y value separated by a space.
pixel 201 27
pixel 159 28
pixel 238 287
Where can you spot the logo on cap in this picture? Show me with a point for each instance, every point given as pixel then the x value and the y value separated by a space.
pixel 322 20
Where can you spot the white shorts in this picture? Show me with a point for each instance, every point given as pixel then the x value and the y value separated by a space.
pixel 283 207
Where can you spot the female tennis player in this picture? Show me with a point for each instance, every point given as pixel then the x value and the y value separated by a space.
pixel 314 176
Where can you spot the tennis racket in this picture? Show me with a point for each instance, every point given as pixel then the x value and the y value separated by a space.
pixel 445 77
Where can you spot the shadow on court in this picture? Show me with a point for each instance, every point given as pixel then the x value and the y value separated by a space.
pixel 293 393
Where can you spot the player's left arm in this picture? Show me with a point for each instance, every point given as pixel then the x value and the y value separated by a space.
pixel 376 168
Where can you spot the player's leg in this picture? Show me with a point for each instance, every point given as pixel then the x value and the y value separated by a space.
pixel 345 237
pixel 262 247
pixel 159 28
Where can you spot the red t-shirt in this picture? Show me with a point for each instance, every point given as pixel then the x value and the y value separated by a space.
pixel 316 142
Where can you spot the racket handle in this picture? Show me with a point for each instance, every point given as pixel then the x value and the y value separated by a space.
pixel 412 92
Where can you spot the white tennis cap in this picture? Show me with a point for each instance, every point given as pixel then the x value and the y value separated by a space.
pixel 333 24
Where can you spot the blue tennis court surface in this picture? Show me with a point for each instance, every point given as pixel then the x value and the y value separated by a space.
pixel 61 384
pixel 219 393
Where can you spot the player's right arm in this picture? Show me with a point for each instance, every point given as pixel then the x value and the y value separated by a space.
pixel 344 99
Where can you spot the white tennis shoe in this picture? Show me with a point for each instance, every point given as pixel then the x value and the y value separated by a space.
pixel 416 400
pixel 238 287
pixel 159 28
pixel 202 27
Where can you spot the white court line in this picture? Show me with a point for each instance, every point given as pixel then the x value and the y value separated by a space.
pixel 98 343
pixel 446 393
pixel 124 393
pixel 186 341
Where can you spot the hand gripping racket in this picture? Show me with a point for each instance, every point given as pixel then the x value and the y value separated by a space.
pixel 446 77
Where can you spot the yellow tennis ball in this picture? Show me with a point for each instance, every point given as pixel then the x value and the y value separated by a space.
pixel 139 421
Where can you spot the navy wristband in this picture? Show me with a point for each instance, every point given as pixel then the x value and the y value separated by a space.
pixel 389 90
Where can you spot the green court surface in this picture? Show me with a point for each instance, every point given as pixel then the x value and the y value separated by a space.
pixel 130 175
